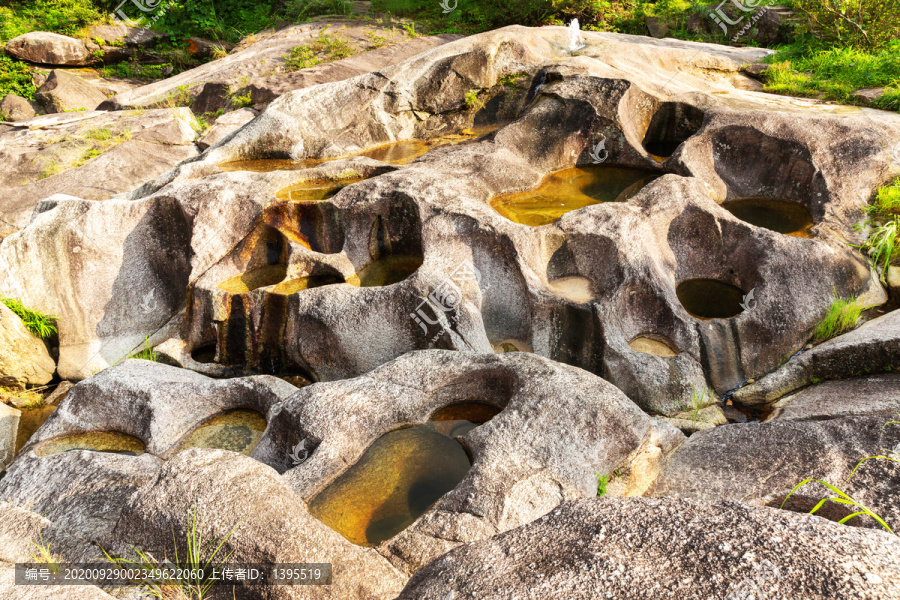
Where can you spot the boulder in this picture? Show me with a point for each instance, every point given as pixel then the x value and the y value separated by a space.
pixel 775 457
pixel 52 155
pixel 868 95
pixel 24 359
pixel 259 67
pixel 874 347
pixel 225 126
pixel 221 493
pixel 635 548
pixel 49 49
pixel 872 395
pixel 9 427
pixel 559 428
pixel 66 92
pixel 22 532
pixel 15 108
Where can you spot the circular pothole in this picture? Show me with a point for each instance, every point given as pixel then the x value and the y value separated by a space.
pixel 710 298
pixel 113 442
pixel 782 216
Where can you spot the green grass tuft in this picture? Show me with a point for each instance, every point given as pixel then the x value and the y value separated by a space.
pixel 842 316
pixel 38 323
pixel 700 399
pixel 602 482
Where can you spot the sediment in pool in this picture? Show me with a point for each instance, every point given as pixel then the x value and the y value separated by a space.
pixel 400 476
pixel 571 189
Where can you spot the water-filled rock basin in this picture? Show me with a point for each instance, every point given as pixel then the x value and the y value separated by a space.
pixel 400 476
pixel 97 441
pixel 710 298
pixel 235 430
pixel 782 216
pixel 571 189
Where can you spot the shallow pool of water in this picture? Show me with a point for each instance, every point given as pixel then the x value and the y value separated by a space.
pixel 782 216
pixel 710 298
pixel 652 345
pixel 393 153
pixel 400 476
pixel 385 271
pixel 254 279
pixel 235 430
pixel 299 284
pixel 571 189
pixel 97 441
pixel 312 191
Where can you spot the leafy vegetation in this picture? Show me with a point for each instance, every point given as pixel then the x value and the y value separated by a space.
pixel 15 78
pixel 38 323
pixel 200 557
pixel 867 24
pixel 842 316
pixel 602 482
pixel 303 10
pixel 67 17
pixel 700 399
pixel 835 73
pixel 841 497
pixel 22 399
pixel 326 48
pixel 884 226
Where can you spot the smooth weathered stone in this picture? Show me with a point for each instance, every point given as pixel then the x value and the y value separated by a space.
pixel 872 348
pixel 9 426
pixel 635 548
pixel 157 404
pixel 225 126
pixel 560 426
pixel 49 49
pixel 868 95
pixel 64 92
pixel 872 395
pixel 24 359
pixel 267 523
pixel 16 108
pixel 772 458
pixel 259 68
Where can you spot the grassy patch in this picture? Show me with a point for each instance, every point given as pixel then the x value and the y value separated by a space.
pixel 327 47
pixel 835 73
pixel 38 323
pixel 145 352
pixel 602 482
pixel 67 17
pixel 22 399
pixel 200 556
pixel 842 316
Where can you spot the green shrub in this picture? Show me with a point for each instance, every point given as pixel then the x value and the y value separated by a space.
pixel 865 24
pixel 15 78
pixel 303 10
pixel 67 17
pixel 301 57
pixel 38 323
pixel 214 19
